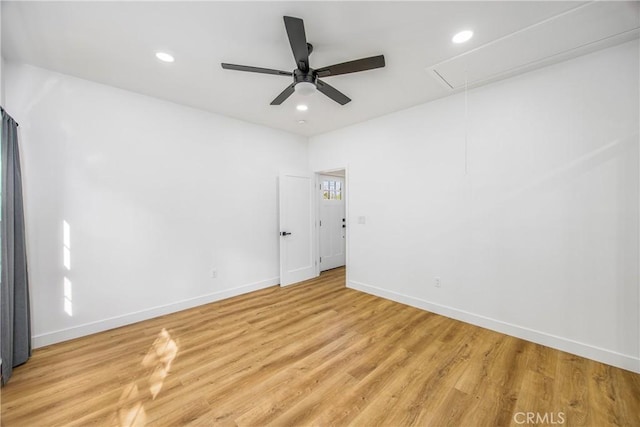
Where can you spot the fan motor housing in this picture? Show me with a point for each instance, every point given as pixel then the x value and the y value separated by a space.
pixel 300 76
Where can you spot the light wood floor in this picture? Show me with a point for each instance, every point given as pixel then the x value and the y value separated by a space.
pixel 313 354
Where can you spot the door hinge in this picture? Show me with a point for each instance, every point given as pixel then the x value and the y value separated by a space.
pixel 320 223
pixel 320 259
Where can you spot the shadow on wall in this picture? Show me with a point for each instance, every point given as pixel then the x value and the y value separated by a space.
pixel 155 367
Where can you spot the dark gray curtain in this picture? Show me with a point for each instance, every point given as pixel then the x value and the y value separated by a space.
pixel 15 319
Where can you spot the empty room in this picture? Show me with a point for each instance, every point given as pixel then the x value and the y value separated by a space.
pixel 340 213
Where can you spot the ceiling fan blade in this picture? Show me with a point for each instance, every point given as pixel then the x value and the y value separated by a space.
pixel 284 95
pixel 298 41
pixel 332 92
pixel 352 66
pixel 255 69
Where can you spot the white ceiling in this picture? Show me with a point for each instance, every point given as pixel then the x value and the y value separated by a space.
pixel 114 43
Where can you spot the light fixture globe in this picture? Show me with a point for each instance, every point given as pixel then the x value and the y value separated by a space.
pixel 305 88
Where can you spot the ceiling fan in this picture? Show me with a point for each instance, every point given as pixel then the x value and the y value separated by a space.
pixel 305 78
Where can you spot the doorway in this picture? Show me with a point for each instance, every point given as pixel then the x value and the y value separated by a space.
pixel 332 219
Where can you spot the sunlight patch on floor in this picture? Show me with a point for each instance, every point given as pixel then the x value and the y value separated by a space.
pixel 155 367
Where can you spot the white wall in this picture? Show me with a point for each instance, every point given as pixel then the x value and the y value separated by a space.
pixel 156 195
pixel 540 238
pixel 1 80
pixel 1 61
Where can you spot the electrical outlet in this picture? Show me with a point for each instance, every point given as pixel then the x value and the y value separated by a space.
pixel 214 273
pixel 436 282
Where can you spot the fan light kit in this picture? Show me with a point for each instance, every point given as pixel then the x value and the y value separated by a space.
pixel 302 107
pixel 304 88
pixel 164 57
pixel 306 79
pixel 462 36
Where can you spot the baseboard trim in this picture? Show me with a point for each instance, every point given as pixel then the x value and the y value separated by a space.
pixel 53 337
pixel 603 355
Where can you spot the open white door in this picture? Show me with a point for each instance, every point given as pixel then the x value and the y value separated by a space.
pixel 297 255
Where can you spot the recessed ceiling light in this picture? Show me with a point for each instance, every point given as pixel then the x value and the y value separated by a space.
pixel 462 36
pixel 302 122
pixel 164 57
pixel 302 107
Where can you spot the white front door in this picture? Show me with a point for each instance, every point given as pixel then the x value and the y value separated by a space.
pixel 332 222
pixel 297 255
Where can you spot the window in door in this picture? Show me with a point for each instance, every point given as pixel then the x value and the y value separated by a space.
pixel 331 190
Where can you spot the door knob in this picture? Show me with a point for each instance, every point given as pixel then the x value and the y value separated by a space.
pixel 285 233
